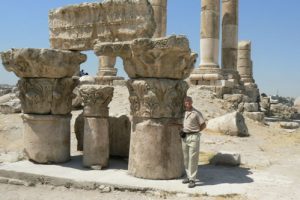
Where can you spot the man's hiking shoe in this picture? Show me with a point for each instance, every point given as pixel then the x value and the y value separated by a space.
pixel 185 181
pixel 191 184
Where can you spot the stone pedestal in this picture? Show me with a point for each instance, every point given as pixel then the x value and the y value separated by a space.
pixel 96 142
pixel 47 138
pixel 156 68
pixel 209 72
pixel 230 38
pixel 96 124
pixel 156 153
pixel 160 16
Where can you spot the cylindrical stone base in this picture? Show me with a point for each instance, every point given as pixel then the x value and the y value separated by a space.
pixel 155 150
pixel 47 138
pixel 96 142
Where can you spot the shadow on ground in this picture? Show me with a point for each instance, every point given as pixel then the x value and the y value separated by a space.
pixel 213 175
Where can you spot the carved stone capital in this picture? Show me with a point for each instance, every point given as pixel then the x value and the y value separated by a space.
pixel 42 63
pixel 168 57
pixel 157 98
pixel 46 96
pixel 96 99
pixel 77 27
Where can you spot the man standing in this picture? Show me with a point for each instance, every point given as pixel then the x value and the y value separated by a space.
pixel 193 123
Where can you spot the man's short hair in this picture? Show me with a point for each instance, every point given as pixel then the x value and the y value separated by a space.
pixel 188 98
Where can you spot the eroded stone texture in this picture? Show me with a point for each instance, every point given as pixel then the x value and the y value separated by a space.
pixel 96 142
pixel 230 37
pixel 160 16
pixel 209 72
pixel 244 63
pixel 229 124
pixel 42 63
pixel 168 57
pixel 96 99
pixel 77 27
pixel 155 150
pixel 157 98
pixel 47 138
pixel 46 96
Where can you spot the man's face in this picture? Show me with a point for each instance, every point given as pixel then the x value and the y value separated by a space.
pixel 188 104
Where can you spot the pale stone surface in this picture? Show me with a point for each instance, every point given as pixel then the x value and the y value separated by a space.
pixel 226 158
pixel 155 150
pixel 168 57
pixel 119 135
pixel 283 111
pixel 46 96
pixel 244 62
pixel 96 142
pixel 160 16
pixel 250 107
pixel 42 63
pixel 229 37
pixel 47 138
pixel 10 103
pixel 86 79
pixel 230 124
pixel 289 125
pixel 77 27
pixel 96 99
pixel 256 116
pixel 157 98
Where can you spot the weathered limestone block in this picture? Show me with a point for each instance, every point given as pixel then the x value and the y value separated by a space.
pixel 226 158
pixel 157 98
pixel 155 150
pixel 10 103
pixel 256 116
pixel 250 107
pixel 119 135
pixel 96 142
pixel 230 124
pixel 46 96
pixel 77 27
pixel 289 125
pixel 168 57
pixel 42 63
pixel 96 99
pixel 47 138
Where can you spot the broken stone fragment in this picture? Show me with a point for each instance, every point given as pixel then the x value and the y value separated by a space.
pixel 42 63
pixel 78 27
pixel 229 124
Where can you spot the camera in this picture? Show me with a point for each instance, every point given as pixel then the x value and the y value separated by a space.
pixel 182 134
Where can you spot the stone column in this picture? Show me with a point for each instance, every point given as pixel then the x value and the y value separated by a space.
pixel 244 62
pixel 160 15
pixel 209 72
pixel 45 87
pixel 96 126
pixel 107 72
pixel 230 38
pixel 245 69
pixel 157 90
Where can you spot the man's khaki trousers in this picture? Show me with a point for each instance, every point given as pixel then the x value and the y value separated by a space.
pixel 190 147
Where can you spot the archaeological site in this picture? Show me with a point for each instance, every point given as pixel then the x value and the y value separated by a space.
pixel 109 133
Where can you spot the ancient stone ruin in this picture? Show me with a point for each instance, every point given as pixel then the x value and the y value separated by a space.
pixel 156 67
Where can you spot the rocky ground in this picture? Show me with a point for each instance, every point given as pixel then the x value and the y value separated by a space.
pixel 269 150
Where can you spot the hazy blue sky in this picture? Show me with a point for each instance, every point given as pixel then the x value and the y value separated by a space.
pixel 273 26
